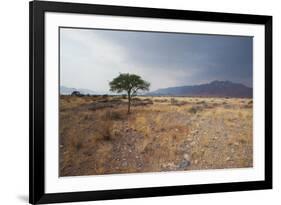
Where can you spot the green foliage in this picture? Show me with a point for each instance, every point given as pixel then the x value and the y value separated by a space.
pixel 129 83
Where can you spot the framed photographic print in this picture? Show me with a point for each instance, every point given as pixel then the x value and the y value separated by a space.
pixel 140 102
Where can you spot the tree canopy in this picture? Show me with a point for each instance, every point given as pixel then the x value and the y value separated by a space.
pixel 129 83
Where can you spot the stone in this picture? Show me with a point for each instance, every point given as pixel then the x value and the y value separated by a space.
pixel 236 144
pixel 184 164
pixel 169 166
pixel 124 164
pixel 186 157
pixel 192 143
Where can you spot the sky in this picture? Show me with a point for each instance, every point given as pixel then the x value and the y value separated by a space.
pixel 91 58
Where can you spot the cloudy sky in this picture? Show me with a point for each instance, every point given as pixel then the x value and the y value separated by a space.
pixel 91 58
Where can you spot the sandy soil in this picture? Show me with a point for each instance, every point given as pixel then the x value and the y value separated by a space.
pixel 97 136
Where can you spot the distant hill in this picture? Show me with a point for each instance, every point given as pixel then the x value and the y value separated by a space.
pixel 67 91
pixel 212 89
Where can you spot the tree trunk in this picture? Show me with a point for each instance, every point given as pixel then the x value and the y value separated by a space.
pixel 129 102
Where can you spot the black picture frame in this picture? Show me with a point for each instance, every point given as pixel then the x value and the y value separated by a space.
pixel 37 194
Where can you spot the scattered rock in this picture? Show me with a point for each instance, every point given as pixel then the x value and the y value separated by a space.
pixel 192 143
pixel 189 139
pixel 124 164
pixel 186 157
pixel 236 144
pixel 169 167
pixel 184 164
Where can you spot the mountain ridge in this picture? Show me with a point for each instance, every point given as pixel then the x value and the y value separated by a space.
pixel 213 89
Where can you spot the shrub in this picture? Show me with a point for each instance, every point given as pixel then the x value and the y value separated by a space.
pixel 76 143
pixel 77 93
pixel 116 116
pixel 112 115
pixel 160 100
pixel 227 106
pixel 135 99
pixel 173 101
pixel 148 101
pixel 201 102
pixel 194 109
pixel 106 130
pixel 178 102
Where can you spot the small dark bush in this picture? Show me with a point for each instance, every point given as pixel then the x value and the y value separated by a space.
pixel 105 129
pixel 194 109
pixel 173 101
pixel 78 145
pixel 160 100
pixel 178 102
pixel 112 115
pixel 201 102
pixel 136 99
pixel 226 106
pixel 77 93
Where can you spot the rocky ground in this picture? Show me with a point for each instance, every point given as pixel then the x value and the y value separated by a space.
pixel 97 136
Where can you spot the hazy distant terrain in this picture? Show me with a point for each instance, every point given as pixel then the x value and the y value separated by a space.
pixel 212 89
pixel 67 91
pixel 165 133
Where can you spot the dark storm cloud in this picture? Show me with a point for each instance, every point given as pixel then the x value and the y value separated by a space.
pixel 166 59
pixel 210 56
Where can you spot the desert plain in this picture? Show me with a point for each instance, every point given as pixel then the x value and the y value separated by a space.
pixel 97 136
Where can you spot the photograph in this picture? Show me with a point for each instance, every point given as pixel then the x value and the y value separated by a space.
pixel 149 101
pixel 133 102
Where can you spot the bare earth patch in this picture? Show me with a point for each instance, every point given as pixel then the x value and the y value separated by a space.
pixel 97 136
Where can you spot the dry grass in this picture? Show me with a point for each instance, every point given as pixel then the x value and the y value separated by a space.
pixel 160 134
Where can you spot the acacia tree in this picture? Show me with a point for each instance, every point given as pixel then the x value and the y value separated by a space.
pixel 129 83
